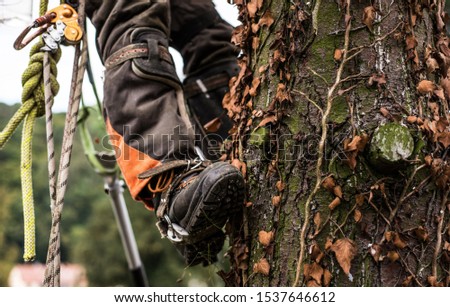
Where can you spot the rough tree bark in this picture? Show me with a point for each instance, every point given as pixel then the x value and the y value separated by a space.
pixel 342 112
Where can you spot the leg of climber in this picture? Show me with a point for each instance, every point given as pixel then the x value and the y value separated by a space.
pixel 150 130
pixel 210 59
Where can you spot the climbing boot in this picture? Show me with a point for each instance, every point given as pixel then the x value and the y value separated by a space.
pixel 193 210
pixel 204 92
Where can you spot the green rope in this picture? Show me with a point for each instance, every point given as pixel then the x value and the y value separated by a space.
pixel 27 187
pixel 33 92
pixel 43 7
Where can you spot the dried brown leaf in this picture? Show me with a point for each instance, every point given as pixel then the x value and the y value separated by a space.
pixel 268 119
pixel 255 85
pixel 358 143
pixel 328 243
pixel 426 87
pixel 265 238
pixel 432 280
pixel 389 235
pixel 255 28
pixel 329 183
pixel 359 199
pixel 357 216
pixel 317 220
pixel 369 17
pixel 316 252
pixel 312 283
pixel 306 270
pixel 345 250
pixel 411 119
pixel 444 139
pixel 411 42
pixel 327 278
pixel 337 191
pixel 316 272
pixel 376 79
pixel 407 281
pixel 421 233
pixel 255 44
pixel 263 68
pixel 447 246
pixel 248 204
pixel 266 20
pixel 280 186
pixel 353 144
pixel 442 124
pixel 336 202
pixel 385 112
pixel 262 266
pixel 276 200
pixel 432 65
pixel 252 7
pixel 393 256
pixel 338 53
pixel 375 251
pixel 439 92
pixel 398 242
pixel 434 108
pixel 445 83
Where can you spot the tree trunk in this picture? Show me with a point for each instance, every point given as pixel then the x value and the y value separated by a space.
pixel 342 134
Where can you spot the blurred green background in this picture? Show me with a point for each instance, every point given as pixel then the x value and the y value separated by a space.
pixel 89 232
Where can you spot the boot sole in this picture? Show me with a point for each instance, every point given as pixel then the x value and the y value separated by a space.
pixel 224 199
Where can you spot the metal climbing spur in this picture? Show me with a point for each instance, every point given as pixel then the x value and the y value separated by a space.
pixel 59 25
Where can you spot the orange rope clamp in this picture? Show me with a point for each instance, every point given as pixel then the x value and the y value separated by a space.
pixel 65 13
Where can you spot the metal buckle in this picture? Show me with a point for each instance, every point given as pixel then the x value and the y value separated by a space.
pixel 175 233
pixel 54 36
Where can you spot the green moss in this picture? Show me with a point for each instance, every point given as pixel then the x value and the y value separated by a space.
pixel 259 137
pixel 339 169
pixel 339 111
pixel 391 145
pixel 322 50
pixel 295 122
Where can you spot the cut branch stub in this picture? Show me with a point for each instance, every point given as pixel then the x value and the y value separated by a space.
pixel 391 145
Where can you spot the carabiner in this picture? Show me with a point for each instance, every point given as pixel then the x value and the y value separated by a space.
pixel 43 22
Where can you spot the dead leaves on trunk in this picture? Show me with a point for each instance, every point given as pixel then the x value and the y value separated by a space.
pixel 353 147
pixel 369 17
pixel 265 238
pixel 262 266
pixel 345 250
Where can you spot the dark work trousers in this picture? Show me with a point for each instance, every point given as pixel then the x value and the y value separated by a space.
pixel 144 107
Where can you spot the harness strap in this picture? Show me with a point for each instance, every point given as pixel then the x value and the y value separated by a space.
pixel 132 51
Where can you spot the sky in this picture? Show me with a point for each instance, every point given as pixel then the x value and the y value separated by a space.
pixel 17 15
